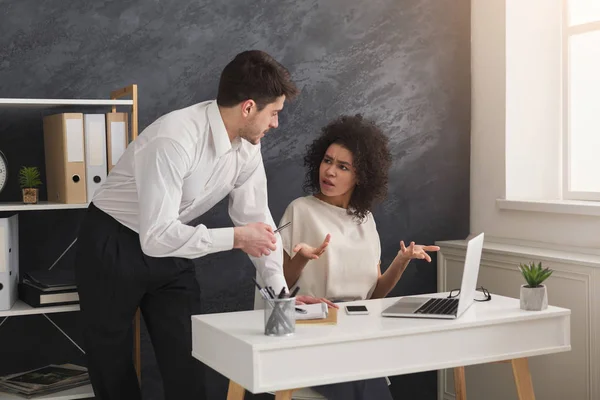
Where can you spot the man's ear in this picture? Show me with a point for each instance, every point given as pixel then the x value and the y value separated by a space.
pixel 248 106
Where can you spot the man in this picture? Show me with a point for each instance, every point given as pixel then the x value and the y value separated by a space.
pixel 135 249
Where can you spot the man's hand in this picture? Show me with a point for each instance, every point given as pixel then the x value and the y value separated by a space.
pixel 310 252
pixel 256 239
pixel 314 300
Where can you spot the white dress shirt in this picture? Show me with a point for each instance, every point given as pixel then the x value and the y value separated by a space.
pixel 179 167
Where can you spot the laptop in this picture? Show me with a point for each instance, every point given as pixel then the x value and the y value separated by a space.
pixel 441 307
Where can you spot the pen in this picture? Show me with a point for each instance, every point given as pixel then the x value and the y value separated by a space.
pixel 282 227
pixel 295 291
pixel 282 293
pixel 257 285
pixel 277 318
pixel 266 294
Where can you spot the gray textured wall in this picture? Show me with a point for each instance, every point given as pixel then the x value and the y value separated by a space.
pixel 404 63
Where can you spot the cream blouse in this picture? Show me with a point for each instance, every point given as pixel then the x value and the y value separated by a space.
pixel 347 270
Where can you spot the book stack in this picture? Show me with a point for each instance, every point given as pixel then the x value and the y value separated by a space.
pixel 48 288
pixel 45 380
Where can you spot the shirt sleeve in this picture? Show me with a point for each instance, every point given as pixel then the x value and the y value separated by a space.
pixel 248 203
pixel 160 167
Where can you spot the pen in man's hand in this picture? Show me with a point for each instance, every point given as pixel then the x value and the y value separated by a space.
pixel 282 227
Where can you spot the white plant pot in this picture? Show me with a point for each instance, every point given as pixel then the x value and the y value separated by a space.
pixel 534 299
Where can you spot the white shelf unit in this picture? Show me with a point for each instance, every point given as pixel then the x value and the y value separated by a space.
pixel 80 392
pixel 41 205
pixel 24 103
pixel 22 309
pixel 50 103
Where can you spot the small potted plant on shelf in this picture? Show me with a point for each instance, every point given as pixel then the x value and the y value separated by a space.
pixel 534 296
pixel 29 179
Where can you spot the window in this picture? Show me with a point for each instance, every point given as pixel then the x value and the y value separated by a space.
pixel 581 79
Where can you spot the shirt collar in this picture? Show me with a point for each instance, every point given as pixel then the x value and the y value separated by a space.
pixel 217 128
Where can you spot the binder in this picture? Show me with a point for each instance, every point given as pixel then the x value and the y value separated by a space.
pixel 9 261
pixel 65 158
pixel 116 137
pixel 95 152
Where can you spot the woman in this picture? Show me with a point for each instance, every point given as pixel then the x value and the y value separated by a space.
pixel 347 172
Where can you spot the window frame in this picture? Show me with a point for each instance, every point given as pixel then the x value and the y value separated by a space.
pixel 567 33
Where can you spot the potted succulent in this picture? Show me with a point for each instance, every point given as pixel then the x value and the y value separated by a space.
pixel 29 179
pixel 534 296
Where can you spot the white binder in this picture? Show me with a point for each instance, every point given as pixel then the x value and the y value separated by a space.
pixel 116 136
pixel 9 261
pixel 95 152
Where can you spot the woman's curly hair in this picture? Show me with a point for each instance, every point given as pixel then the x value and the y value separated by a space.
pixel 372 159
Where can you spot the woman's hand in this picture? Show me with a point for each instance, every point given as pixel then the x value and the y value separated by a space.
pixel 314 300
pixel 310 252
pixel 415 251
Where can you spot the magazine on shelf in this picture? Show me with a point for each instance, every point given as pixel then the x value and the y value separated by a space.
pixel 42 381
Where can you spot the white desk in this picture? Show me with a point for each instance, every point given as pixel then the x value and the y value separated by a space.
pixel 234 345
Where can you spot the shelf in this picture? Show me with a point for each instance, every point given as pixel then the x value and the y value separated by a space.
pixel 41 205
pixel 81 392
pixel 21 308
pixel 126 97
pixel 62 102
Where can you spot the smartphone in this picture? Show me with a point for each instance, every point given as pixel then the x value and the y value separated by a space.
pixel 356 310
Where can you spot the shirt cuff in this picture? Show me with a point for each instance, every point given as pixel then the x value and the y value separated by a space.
pixel 221 239
pixel 276 282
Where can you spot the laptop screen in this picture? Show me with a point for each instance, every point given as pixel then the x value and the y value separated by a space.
pixel 470 273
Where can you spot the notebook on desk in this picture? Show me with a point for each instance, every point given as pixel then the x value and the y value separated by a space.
pixel 439 307
pixel 313 311
pixel 318 313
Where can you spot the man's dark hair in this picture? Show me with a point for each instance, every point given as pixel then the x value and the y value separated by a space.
pixel 254 75
pixel 371 160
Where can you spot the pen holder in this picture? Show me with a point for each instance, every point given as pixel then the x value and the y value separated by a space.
pixel 280 317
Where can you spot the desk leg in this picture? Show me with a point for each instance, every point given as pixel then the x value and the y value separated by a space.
pixel 284 395
pixel 460 386
pixel 520 368
pixel 235 391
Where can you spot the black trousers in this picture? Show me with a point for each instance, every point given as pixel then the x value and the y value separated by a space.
pixel 114 277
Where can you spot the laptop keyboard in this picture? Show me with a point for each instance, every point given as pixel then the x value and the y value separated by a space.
pixel 439 306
